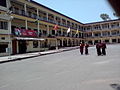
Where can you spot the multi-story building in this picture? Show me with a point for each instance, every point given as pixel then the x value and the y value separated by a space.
pixel 30 27
pixel 108 31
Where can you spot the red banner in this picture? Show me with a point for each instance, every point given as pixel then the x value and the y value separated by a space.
pixel 24 32
pixel 55 27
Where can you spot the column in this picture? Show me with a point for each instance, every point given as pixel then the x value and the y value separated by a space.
pixel 70 32
pixel 101 34
pixel 78 34
pixel 92 27
pixel 62 42
pixel 61 31
pixel 38 22
pixel 47 16
pixel 10 39
pixel 48 30
pixel 101 26
pixel 109 25
pixel 67 42
pixel 60 21
pixel 110 40
pixel 92 34
pixel 38 27
pixel 25 9
pixel 119 24
pixel 37 14
pixel 26 24
pixel 55 19
pixel 93 42
pixel 110 33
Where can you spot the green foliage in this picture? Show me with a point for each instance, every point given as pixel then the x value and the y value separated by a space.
pixel 105 16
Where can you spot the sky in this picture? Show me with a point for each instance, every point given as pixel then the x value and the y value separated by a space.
pixel 84 11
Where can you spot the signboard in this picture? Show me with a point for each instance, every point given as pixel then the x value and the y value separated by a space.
pixel 24 32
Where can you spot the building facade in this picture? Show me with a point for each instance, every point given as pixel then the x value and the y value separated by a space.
pixel 27 26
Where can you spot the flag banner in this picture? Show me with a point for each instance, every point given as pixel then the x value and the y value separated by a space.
pixel 77 31
pixel 55 27
pixel 68 30
pixel 24 32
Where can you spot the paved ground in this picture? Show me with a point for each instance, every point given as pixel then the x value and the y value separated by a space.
pixel 17 57
pixel 64 71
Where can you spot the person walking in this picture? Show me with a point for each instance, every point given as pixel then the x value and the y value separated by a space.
pixel 81 48
pixel 103 46
pixel 86 48
pixel 98 48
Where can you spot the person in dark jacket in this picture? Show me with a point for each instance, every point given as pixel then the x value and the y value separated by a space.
pixel 98 48
pixel 103 46
pixel 81 48
pixel 86 48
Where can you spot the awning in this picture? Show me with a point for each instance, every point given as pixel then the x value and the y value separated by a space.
pixel 26 38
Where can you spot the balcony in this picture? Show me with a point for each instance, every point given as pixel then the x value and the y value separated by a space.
pixel 51 21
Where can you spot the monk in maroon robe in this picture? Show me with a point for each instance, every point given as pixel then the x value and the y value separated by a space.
pixel 103 46
pixel 81 48
pixel 86 48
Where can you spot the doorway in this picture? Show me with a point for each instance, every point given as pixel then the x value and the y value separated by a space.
pixel 22 46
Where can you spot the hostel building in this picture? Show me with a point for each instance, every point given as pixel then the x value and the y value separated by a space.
pixel 34 27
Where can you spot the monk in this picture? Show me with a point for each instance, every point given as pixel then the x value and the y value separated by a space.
pixel 81 48
pixel 98 48
pixel 103 46
pixel 86 48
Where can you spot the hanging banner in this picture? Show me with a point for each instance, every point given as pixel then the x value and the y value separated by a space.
pixel 24 32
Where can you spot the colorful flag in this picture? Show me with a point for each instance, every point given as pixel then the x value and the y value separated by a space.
pixel 55 27
pixel 77 31
pixel 68 30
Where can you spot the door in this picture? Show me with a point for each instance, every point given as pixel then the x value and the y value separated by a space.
pixel 22 46
pixel 14 46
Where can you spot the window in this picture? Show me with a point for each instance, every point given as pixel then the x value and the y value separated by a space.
pixel 105 26
pixel 34 15
pixel 23 12
pixel 59 32
pixel 29 14
pixel 3 25
pixel 2 38
pixel 53 32
pixel 113 40
pixel 106 33
pixel 3 48
pixel 107 41
pixel 115 32
pixel 44 32
pixel 16 10
pixel 35 44
pixel 3 3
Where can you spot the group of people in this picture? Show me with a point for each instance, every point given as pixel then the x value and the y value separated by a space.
pixel 100 47
pixel 82 46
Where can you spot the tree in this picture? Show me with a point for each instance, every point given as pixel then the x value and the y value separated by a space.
pixel 116 15
pixel 105 16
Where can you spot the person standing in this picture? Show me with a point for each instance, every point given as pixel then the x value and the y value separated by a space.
pixel 86 48
pixel 98 48
pixel 103 46
pixel 81 48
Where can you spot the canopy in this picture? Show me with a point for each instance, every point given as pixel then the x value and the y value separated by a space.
pixel 27 38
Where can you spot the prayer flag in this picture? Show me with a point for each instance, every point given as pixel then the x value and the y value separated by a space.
pixel 55 27
pixel 68 30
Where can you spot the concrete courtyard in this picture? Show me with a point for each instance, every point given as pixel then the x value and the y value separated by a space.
pixel 64 71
